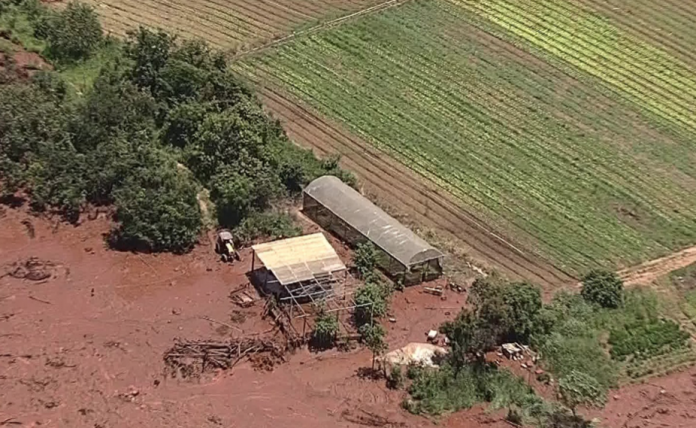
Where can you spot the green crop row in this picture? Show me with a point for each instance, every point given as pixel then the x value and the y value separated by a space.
pixel 650 77
pixel 533 151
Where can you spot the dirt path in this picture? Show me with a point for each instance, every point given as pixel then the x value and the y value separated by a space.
pixel 647 272
pixel 421 200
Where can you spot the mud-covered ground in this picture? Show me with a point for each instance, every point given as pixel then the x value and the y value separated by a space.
pixel 83 330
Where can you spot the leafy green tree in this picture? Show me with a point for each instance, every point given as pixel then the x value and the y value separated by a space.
pixel 580 389
pixel 325 329
pixel 56 180
pixel 157 210
pixel 372 335
pixel 182 123
pixel 149 50
pixel 365 259
pixel 30 122
pixel 470 337
pixel 603 288
pixel 371 301
pixel 114 106
pixel 511 309
pixel 74 33
pixel 523 302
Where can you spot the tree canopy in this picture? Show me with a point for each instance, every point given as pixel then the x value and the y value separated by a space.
pixel 603 288
pixel 161 122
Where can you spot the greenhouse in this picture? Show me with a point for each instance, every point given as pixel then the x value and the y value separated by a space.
pixel 340 209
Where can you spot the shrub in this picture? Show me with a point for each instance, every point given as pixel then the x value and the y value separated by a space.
pixel 578 388
pixel 643 341
pixel 603 288
pixel 395 379
pixel 271 224
pixel 72 34
pixel 325 329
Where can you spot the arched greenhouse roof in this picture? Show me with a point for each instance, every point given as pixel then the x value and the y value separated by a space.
pixel 383 230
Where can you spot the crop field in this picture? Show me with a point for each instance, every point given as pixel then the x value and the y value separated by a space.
pixel 547 122
pixel 225 24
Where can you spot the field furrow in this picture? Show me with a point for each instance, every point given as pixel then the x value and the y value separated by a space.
pixel 545 156
pixel 229 24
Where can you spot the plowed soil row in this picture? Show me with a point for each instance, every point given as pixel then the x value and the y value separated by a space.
pixel 418 198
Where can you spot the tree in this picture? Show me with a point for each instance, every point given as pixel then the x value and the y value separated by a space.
pixel 578 389
pixel 157 210
pixel 74 33
pixel 470 337
pixel 523 302
pixel 371 301
pixel 373 335
pixel 365 259
pixel 603 288
pixel 509 309
pixel 149 51
pixel 325 329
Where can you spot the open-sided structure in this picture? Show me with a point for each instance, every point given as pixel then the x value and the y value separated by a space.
pixel 340 209
pixel 304 272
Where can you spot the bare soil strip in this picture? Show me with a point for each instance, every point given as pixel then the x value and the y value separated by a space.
pixel 647 272
pixel 420 199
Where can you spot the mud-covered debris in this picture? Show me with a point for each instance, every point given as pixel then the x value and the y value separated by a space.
pixel 191 358
pixel 33 269
pixel 370 419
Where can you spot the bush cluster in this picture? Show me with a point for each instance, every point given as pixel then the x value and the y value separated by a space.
pixel 161 122
pixel 644 340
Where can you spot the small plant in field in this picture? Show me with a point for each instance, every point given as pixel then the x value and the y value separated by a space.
pixel 603 288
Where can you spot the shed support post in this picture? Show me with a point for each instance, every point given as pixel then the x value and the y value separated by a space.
pixel 253 260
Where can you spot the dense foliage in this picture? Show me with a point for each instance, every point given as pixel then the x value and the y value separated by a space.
pixel 500 312
pixel 365 259
pixel 325 329
pixel 160 123
pixel 371 300
pixel 603 288
pixel 580 389
pixel 643 340
pixel 71 34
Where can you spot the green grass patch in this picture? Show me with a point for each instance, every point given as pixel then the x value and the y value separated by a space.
pixel 81 75
pixel 635 340
pixel 16 20
pixel 546 156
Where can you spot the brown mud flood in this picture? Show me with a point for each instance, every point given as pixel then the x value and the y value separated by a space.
pixel 83 332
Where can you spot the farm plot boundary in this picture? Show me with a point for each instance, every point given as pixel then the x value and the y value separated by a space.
pixel 555 168
pixel 231 25
pixel 421 200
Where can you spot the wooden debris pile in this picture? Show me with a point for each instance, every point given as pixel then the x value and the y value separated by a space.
pixel 33 269
pixel 192 358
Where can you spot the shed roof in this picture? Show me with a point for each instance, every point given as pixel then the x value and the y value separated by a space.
pixel 372 222
pixel 299 259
